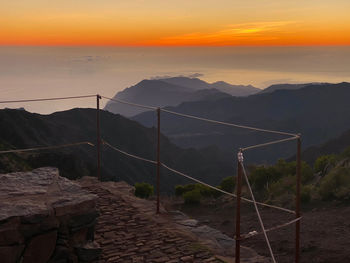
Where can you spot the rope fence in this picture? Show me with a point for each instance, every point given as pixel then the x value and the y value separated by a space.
pixel 47 147
pixel 256 233
pixel 128 154
pixel 194 179
pixel 131 104
pixel 48 99
pixel 227 123
pixel 225 192
pixel 270 143
pixel 291 137
pixel 240 160
pixel 264 231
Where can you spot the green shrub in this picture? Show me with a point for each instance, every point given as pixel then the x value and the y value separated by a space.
pixel 228 184
pixel 260 177
pixel 345 153
pixel 215 193
pixel 192 197
pixel 282 191
pixel 322 162
pixel 307 174
pixel 205 191
pixel 179 190
pixel 143 190
pixel 336 185
pixel 305 194
pixel 189 187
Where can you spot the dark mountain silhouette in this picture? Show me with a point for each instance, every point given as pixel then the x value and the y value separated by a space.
pixel 195 83
pixel 333 146
pixel 319 112
pixel 191 83
pixel 235 90
pixel 207 94
pixel 21 129
pixel 171 92
pixel 275 87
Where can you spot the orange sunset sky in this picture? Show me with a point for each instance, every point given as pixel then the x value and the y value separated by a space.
pixel 175 23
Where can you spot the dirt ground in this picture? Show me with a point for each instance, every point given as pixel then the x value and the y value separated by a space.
pixel 325 229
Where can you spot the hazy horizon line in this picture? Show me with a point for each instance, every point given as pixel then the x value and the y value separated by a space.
pixel 169 46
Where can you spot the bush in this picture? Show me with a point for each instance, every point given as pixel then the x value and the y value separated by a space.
pixel 345 153
pixel 189 187
pixel 215 193
pixel 143 190
pixel 205 191
pixel 284 186
pixel 323 161
pixel 192 197
pixel 336 185
pixel 307 174
pixel 228 184
pixel 305 194
pixel 179 190
pixel 261 177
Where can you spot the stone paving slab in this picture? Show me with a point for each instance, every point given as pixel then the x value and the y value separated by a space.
pixel 128 230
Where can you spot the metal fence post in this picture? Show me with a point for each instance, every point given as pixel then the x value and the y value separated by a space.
pixel 98 134
pixel 158 158
pixel 297 201
pixel 238 209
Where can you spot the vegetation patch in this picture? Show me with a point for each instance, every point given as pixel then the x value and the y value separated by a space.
pixel 143 190
pixel 327 180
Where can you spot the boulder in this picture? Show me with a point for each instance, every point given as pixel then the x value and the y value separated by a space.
pixel 11 254
pixel 40 248
pixel 88 252
pixel 44 217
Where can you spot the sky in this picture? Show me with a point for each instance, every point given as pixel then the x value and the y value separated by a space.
pixel 37 72
pixel 74 47
pixel 174 23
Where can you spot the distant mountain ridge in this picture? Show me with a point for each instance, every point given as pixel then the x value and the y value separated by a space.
pixel 21 129
pixel 319 112
pixel 173 91
pixel 285 86
pixel 333 146
pixel 195 83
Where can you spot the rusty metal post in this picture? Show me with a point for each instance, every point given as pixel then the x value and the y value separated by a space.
pixel 297 201
pixel 158 158
pixel 98 134
pixel 238 211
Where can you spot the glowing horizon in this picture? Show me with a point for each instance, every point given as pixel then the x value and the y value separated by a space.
pixel 178 23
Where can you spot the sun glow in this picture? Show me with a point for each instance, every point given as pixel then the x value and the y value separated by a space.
pixel 164 23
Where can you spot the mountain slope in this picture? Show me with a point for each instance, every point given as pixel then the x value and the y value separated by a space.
pixel 171 92
pixel 275 87
pixel 319 112
pixel 333 146
pixel 195 83
pixel 21 129
pixel 149 92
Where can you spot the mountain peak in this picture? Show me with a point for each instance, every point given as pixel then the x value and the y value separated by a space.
pixel 173 91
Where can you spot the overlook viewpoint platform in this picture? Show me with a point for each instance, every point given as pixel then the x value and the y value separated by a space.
pixel 129 230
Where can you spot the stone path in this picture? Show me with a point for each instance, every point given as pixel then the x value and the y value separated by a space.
pixel 132 234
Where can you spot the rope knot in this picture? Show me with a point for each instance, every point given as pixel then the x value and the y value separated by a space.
pixel 240 156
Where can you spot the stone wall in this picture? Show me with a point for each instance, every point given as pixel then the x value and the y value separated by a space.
pixel 46 218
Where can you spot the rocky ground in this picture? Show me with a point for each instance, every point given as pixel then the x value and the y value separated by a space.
pixel 128 230
pixel 325 229
pixel 45 218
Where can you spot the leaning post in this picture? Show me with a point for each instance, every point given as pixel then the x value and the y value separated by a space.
pixel 297 201
pixel 98 135
pixel 158 158
pixel 238 206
